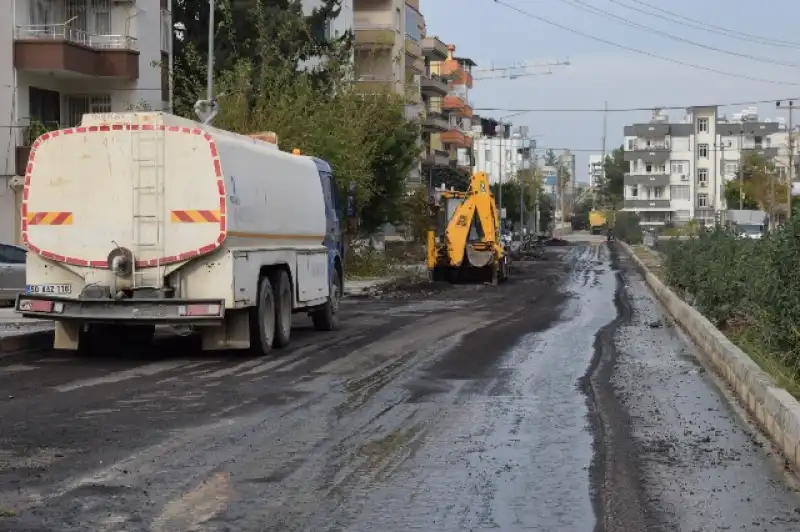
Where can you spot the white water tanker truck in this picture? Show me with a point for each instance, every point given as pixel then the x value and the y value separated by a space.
pixel 135 220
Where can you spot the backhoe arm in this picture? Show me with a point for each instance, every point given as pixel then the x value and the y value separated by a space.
pixel 457 233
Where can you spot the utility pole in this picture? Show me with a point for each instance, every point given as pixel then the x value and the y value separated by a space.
pixel 211 32
pixel 790 104
pixel 771 198
pixel 603 156
pixel 501 130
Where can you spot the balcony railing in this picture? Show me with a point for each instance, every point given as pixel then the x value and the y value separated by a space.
pixel 62 32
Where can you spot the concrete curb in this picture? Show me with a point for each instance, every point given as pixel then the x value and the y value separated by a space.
pixel 775 409
pixel 40 339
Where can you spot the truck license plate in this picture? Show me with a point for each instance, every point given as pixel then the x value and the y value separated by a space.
pixel 50 289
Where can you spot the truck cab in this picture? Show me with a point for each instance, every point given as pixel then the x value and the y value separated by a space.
pixel 334 239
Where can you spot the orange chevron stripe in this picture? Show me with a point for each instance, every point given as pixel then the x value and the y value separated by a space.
pixel 49 218
pixel 196 216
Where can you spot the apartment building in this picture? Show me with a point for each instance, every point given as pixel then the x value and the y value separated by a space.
pixel 457 139
pixel 595 170
pixel 436 119
pixel 389 54
pixel 678 171
pixel 503 155
pixel 60 59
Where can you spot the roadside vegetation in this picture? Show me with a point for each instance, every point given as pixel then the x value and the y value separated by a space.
pixel 749 288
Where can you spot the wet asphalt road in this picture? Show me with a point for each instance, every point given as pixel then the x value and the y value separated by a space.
pixel 561 401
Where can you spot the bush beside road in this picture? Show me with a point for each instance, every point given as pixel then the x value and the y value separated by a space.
pixel 750 289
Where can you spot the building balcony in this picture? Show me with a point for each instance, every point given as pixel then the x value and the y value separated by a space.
pixel 456 139
pixel 647 180
pixel 415 65
pixel 57 48
pixel 433 86
pixel 367 84
pixel 457 105
pixel 636 203
pixel 437 158
pixel 764 152
pixel 374 35
pixel 435 123
pixel 434 49
pixel 658 155
pixel 413 49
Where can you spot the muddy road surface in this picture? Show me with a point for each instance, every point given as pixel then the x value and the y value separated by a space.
pixel 560 401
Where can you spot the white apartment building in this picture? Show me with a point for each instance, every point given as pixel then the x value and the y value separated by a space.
pixel 503 156
pixel 595 170
pixel 678 171
pixel 60 59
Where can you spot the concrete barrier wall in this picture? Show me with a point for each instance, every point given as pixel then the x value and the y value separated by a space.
pixel 775 409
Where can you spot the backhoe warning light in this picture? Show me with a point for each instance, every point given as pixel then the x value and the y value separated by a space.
pixel 296 151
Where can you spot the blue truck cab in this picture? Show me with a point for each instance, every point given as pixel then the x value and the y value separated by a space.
pixel 334 239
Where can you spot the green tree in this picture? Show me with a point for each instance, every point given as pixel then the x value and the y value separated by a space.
pixel 550 158
pixel 243 26
pixel 756 187
pixel 613 186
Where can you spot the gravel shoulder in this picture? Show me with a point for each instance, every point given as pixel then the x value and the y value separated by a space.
pixel 703 465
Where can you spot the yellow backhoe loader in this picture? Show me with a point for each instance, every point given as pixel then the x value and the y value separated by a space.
pixel 466 243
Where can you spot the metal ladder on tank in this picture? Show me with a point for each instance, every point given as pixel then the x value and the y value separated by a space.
pixel 148 209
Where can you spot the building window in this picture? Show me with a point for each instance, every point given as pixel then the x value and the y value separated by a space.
pixel 702 176
pixel 702 125
pixel 488 155
pixel 634 192
pixel 731 168
pixel 678 167
pixel 648 167
pixel 631 144
pixel 702 201
pixel 102 17
pixel 658 192
pixel 77 106
pixel 702 151
pixel 679 192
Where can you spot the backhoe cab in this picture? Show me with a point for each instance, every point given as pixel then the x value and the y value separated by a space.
pixel 466 244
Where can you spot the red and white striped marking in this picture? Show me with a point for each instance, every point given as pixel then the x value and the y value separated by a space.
pixel 102 263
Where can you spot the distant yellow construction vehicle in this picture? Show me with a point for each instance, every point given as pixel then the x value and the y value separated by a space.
pixel 466 243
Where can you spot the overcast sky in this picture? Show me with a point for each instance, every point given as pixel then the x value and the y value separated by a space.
pixel 489 32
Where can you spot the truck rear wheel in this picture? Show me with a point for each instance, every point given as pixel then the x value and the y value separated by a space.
pixel 327 317
pixel 283 310
pixel 262 319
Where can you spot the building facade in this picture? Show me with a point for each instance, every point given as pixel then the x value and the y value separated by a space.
pixel 596 171
pixel 678 171
pixel 503 155
pixel 456 105
pixel 60 59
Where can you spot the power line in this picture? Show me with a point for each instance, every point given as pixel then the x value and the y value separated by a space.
pixel 628 109
pixel 638 51
pixel 578 4
pixel 706 26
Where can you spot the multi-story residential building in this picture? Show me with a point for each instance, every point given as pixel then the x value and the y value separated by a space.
pixel 457 140
pixel 678 171
pixel 502 155
pixel 335 27
pixel 595 170
pixel 389 53
pixel 436 119
pixel 60 59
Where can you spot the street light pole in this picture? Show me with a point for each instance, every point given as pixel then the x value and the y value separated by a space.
pixel 210 73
